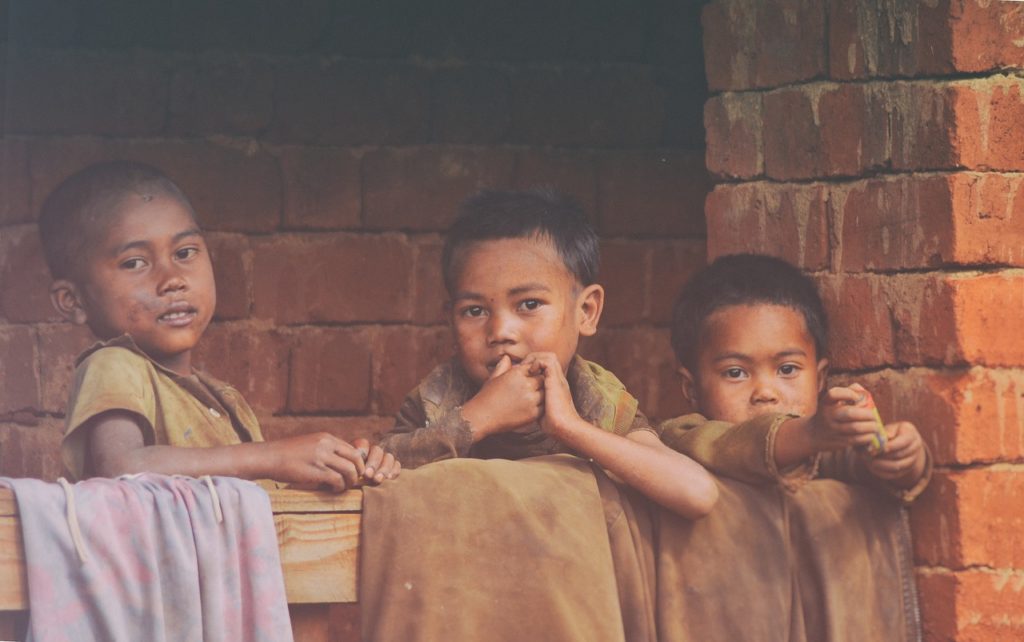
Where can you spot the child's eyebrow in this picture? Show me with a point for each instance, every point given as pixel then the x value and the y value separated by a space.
pixel 791 352
pixel 727 356
pixel 130 245
pixel 462 296
pixel 529 287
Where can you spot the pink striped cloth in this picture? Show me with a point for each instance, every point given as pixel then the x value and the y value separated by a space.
pixel 154 558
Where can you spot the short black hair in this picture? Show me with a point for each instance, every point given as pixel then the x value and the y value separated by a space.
pixel 744 279
pixel 78 208
pixel 505 214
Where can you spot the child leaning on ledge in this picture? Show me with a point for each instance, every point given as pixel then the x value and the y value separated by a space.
pixel 129 261
pixel 750 332
pixel 521 270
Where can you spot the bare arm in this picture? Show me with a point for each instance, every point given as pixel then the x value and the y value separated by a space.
pixel 117 447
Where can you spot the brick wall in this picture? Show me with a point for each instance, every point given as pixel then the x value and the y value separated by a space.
pixel 326 146
pixel 878 145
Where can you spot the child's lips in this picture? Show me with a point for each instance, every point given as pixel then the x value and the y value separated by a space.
pixel 178 316
pixel 491 365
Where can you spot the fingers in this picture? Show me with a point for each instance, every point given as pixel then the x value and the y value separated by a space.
pixel 847 395
pixel 362 445
pixel 503 366
pixel 374 459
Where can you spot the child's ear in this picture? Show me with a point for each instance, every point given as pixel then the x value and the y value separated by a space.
pixel 822 374
pixel 67 299
pixel 590 304
pixel 689 387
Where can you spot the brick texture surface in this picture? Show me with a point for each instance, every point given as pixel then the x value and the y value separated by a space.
pixel 331 371
pixel 19 383
pixel 651 193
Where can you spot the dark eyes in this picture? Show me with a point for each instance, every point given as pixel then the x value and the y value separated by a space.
pixel 788 369
pixel 530 304
pixel 186 253
pixel 734 373
pixel 132 264
pixel 473 311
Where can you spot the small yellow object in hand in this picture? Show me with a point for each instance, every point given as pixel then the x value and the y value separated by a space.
pixel 881 437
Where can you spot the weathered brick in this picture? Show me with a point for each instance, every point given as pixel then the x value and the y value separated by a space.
pixel 625 270
pixel 14 183
pixel 251 357
pixel 788 221
pixel 322 188
pixel 976 605
pixel 421 188
pixel 574 106
pixel 989 118
pixel 672 265
pixel 735 141
pixel 570 172
pixel 402 357
pixel 966 416
pixel 232 263
pixel 324 278
pixel 347 428
pixel 201 169
pixel 220 96
pixel 751 44
pixel 59 346
pixel 651 193
pixel 429 292
pixel 331 371
pixel 971 518
pixel 114 94
pixel 918 123
pixel 986 35
pixel 19 379
pixel 470 105
pixel 24 277
pixel 860 327
pixel 351 103
pixel 987 212
pixel 32 451
pixel 907 39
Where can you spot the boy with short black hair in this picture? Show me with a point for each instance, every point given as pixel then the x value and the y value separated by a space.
pixel 521 269
pixel 750 333
pixel 129 261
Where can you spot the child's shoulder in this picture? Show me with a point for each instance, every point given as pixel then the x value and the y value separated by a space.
pixel 600 397
pixel 118 356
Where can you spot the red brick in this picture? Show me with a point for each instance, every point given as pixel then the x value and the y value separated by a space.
pixel 351 103
pixel 333 278
pixel 32 451
pixel 902 40
pixel 576 106
pixel 735 144
pixel 965 416
pixel 14 183
pixel 402 357
pixel 860 328
pixel 347 428
pixel 570 172
pixel 986 35
pixel 924 319
pixel 788 221
pixel 201 169
pixel 651 193
pixel 421 188
pixel 217 95
pixel 322 188
pixel 24 277
pixel 331 371
pixel 19 379
pixel 114 94
pixel 232 263
pixel 971 518
pixel 251 357
pixel 672 265
pixel 989 118
pixel 625 269
pixel 919 123
pixel 640 358
pixel 987 213
pixel 977 605
pixel 470 105
pixel 987 310
pixel 59 346
pixel 431 297
pixel 763 44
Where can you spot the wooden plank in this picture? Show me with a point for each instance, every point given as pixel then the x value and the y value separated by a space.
pixel 318 536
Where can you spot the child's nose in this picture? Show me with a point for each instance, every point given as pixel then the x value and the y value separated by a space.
pixel 171 280
pixel 501 328
pixel 764 393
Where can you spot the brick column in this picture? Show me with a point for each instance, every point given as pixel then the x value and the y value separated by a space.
pixel 879 146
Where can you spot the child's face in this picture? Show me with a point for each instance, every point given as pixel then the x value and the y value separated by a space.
pixel 754 360
pixel 150 277
pixel 514 297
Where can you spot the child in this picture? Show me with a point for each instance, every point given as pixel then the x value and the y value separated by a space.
pixel 520 268
pixel 750 333
pixel 129 261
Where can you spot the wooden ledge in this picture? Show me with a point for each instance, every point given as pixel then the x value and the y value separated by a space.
pixel 317 532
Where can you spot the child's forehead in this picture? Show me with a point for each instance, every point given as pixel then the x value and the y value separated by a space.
pixel 534 257
pixel 762 327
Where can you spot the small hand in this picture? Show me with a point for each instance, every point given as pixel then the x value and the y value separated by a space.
pixel 317 459
pixel 380 465
pixel 904 455
pixel 840 422
pixel 559 411
pixel 511 397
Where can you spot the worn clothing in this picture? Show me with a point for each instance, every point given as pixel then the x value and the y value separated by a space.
pixel 429 426
pixel 551 548
pixel 196 411
pixel 151 557
pixel 746 452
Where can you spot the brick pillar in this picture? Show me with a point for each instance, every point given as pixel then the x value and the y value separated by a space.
pixel 878 145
